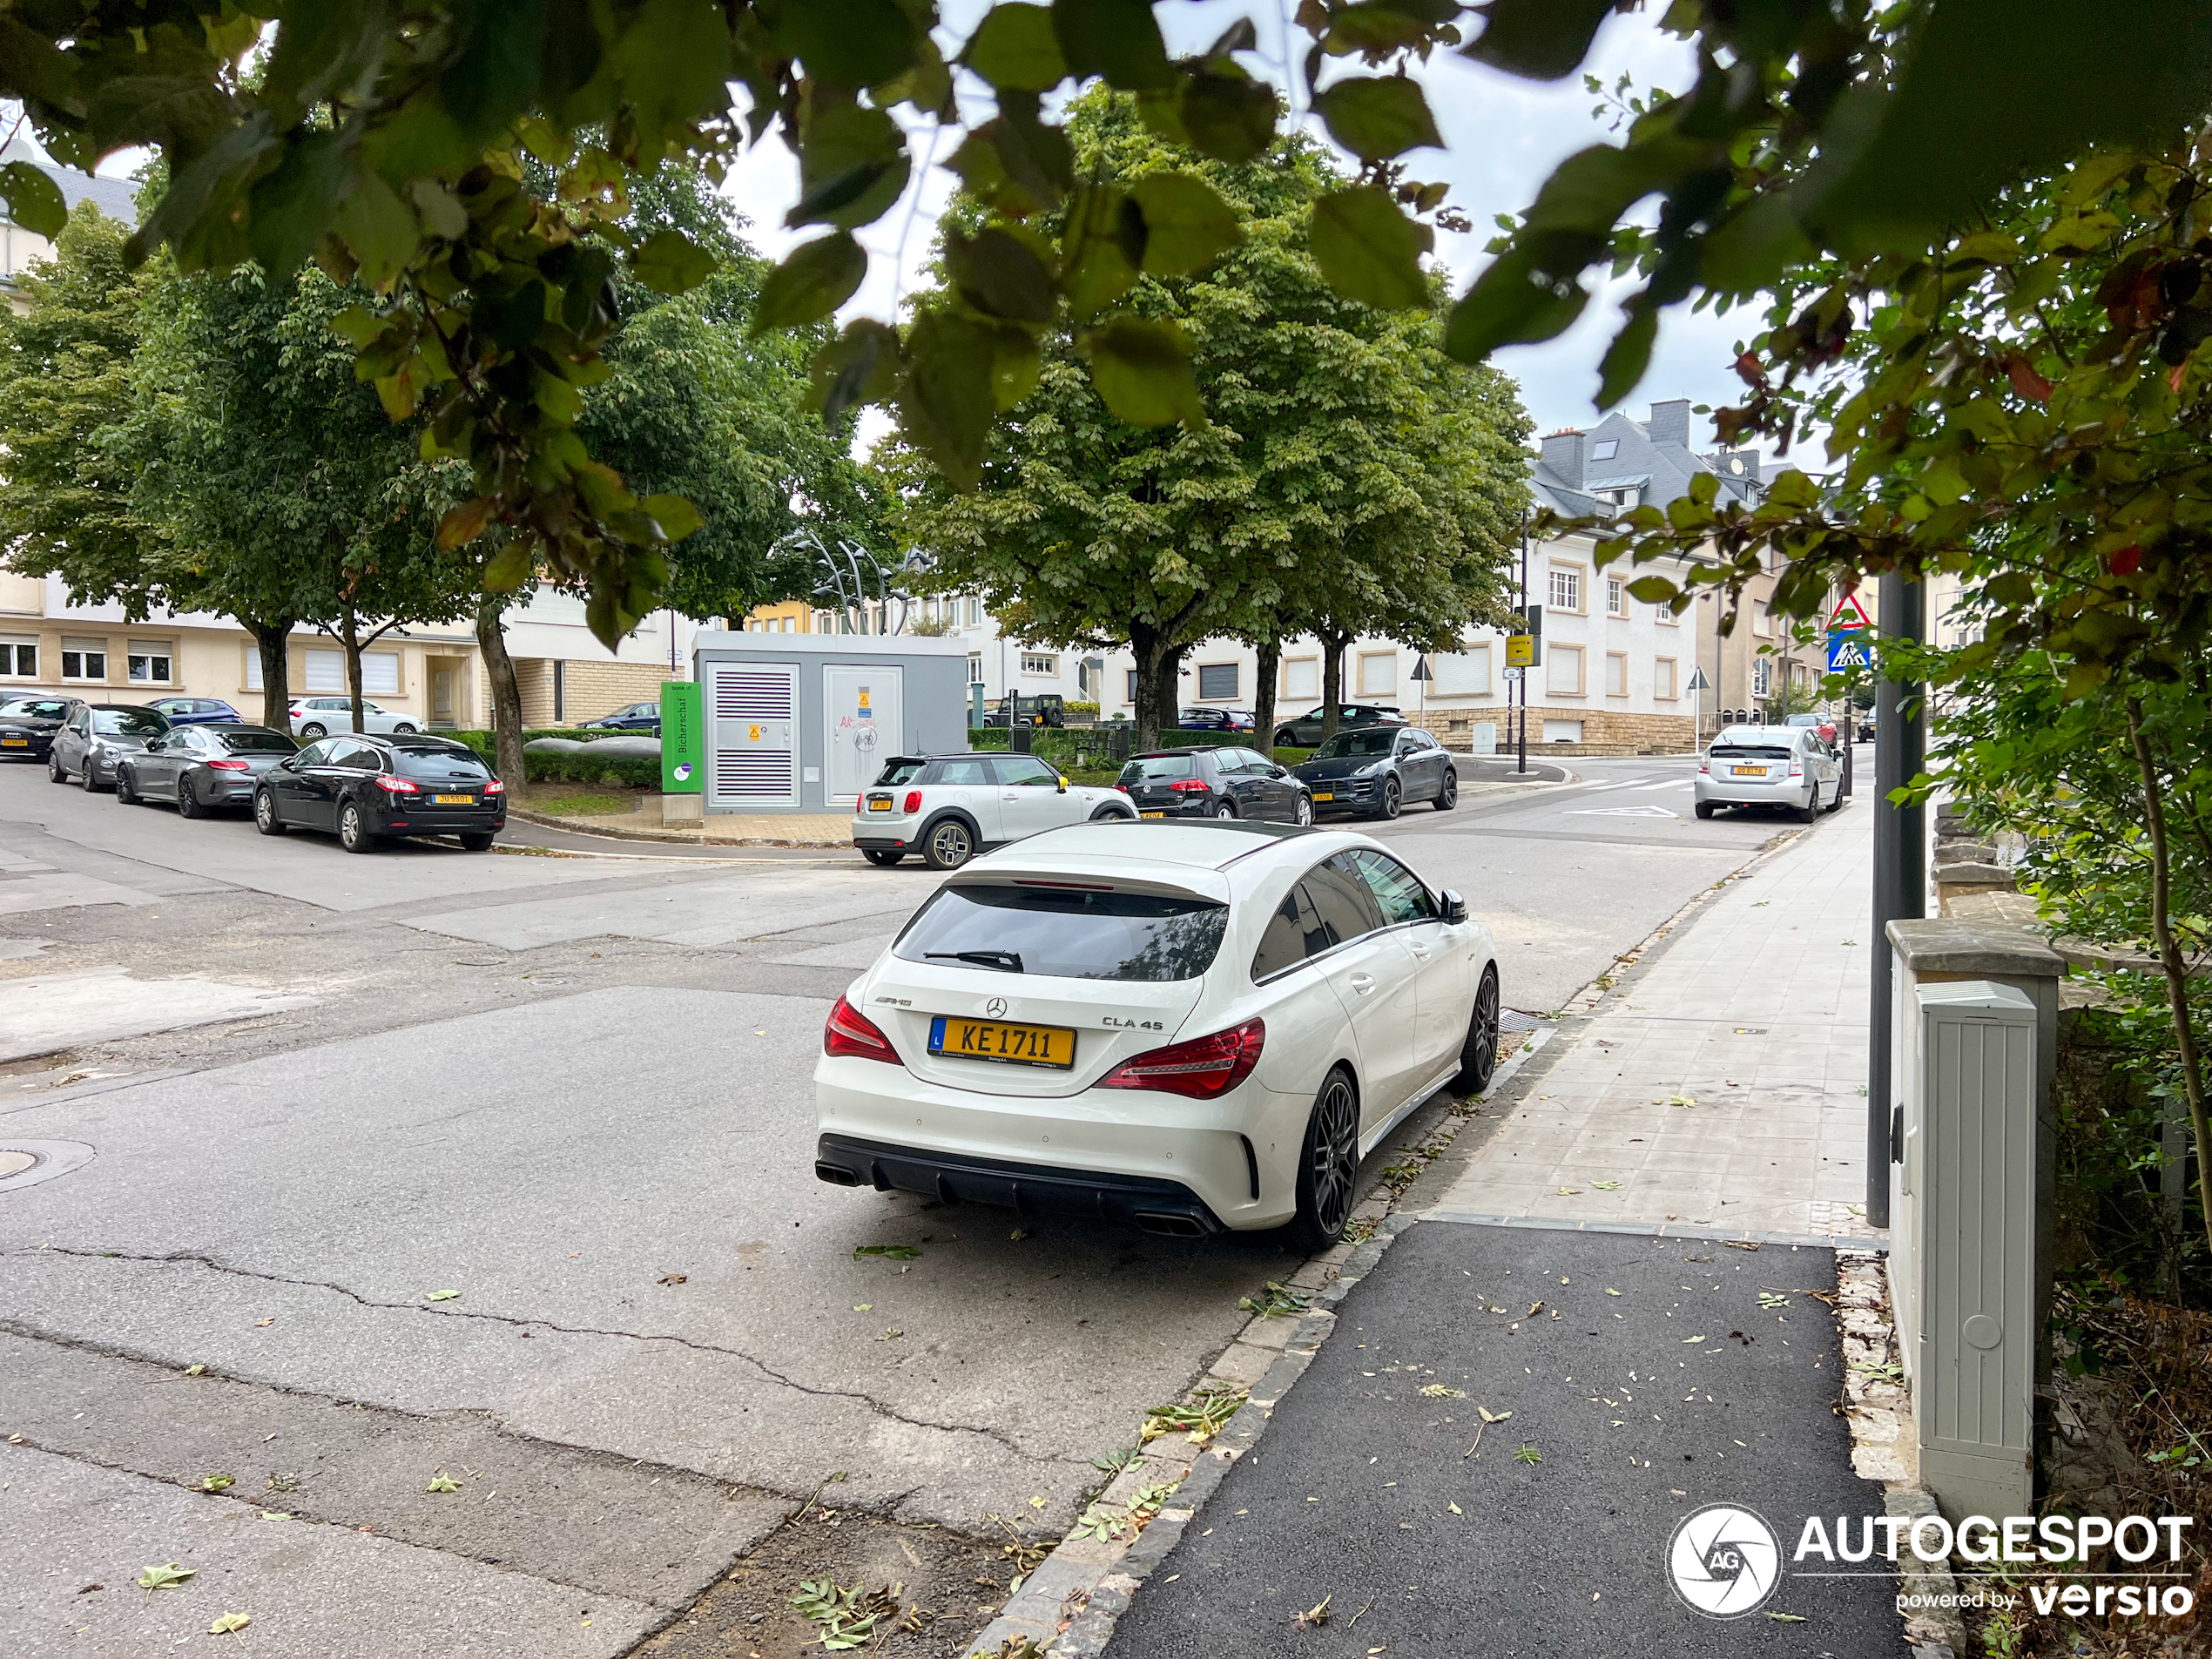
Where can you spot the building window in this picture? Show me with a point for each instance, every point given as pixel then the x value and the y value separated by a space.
pixel 1301 679
pixel 1130 697
pixel 19 659
pixel 1605 449
pixel 1665 617
pixel 1616 673
pixel 1464 673
pixel 1761 676
pixel 1664 680
pixel 1566 589
pixel 1616 596
pixel 149 662
pixel 1378 673
pixel 1761 621
pixel 379 673
pixel 1563 671
pixel 325 671
pixel 1216 680
pixel 821 622
pixel 976 668
pixel 1032 663
pixel 83 660
pixel 975 611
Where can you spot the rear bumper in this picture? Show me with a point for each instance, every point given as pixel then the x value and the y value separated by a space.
pixel 448 822
pixel 1751 792
pixel 883 832
pixel 1143 1202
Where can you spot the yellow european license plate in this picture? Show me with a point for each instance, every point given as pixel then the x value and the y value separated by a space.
pixel 878 805
pixel 15 743
pixel 1749 771
pixel 453 800
pixel 1019 1045
pixel 1152 815
pixel 1324 794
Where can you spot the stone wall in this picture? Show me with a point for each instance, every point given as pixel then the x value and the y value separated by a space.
pixel 588 690
pixel 1604 731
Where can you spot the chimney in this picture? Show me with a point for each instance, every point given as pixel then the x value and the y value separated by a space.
pixel 1563 454
pixel 1736 463
pixel 1669 422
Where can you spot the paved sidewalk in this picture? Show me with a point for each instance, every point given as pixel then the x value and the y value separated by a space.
pixel 1722 1083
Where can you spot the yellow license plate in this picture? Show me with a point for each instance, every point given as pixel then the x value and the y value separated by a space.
pixel 1324 794
pixel 878 805
pixel 1019 1045
pixel 1749 771
pixel 1152 815
pixel 15 743
pixel 453 800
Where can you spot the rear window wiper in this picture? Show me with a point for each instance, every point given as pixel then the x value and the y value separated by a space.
pixel 1006 960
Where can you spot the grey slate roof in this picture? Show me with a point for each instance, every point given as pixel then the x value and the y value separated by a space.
pixel 1652 455
pixel 117 198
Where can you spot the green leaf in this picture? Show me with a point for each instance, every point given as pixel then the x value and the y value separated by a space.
pixel 443 213
pixel 895 1252
pixel 1626 358
pixel 1000 274
pixel 1511 303
pixel 852 43
pixel 851 166
pixel 290 208
pixel 860 366
pixel 1118 40
pixel 358 324
pixel 1378 117
pixel 447 1295
pixel 670 262
pixel 1375 27
pixel 1100 267
pixel 1015 368
pixel 1227 114
pixel 508 569
pixel 814 280
pixel 380 228
pixel 442 1482
pixel 1754 247
pixel 226 1623
pixel 1540 40
pixel 34 200
pixel 945 400
pixel 1187 226
pixel 1652 590
pixel 164 1577
pixel 677 517
pixel 1017 47
pixel 1367 249
pixel 1141 368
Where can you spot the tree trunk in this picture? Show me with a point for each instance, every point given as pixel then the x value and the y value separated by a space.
pixel 1158 665
pixel 2169 959
pixel 273 640
pixel 349 635
pixel 1270 651
pixel 506 694
pixel 1332 649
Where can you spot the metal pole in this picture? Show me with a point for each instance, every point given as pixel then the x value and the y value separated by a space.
pixel 1521 684
pixel 1900 869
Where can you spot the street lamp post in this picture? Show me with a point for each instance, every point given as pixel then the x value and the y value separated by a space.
pixel 1900 867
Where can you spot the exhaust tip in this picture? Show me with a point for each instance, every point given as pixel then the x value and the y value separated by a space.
pixel 836 1174
pixel 1173 1226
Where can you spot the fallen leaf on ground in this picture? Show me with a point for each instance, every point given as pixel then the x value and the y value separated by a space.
pixel 227 1623
pixel 675 1279
pixel 1611 1292
pixel 195 1371
pixel 1490 1416
pixel 1690 1339
pixel 1455 1508
pixel 1682 1100
pixel 258 1323
pixel 1787 1618
pixel 1019 1234
pixel 276 1515
pixel 442 1482
pixel 164 1577
pixel 889 1333
pixel 1527 1454
pixel 1603 1186
pixel 863 1307
pixel 1533 1308
pixel 442 1296
pixel 1569 1192
pixel 895 1252
pixel 1315 1617
pixel 1741 1244
pixel 1438 1391
pixel 215 1482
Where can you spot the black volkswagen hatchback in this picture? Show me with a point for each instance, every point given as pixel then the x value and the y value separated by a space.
pixel 367 788
pixel 1213 783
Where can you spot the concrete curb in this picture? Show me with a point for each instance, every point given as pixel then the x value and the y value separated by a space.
pixel 569 826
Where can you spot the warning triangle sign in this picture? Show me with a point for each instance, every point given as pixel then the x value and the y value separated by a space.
pixel 1848 613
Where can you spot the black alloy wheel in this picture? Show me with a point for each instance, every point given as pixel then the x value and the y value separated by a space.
pixel 124 794
pixel 1448 797
pixel 476 840
pixel 1286 738
pixel 882 858
pixel 188 804
pixel 91 780
pixel 352 829
pixel 1478 1054
pixel 265 814
pixel 1705 809
pixel 1810 812
pixel 1390 800
pixel 1328 1165
pixel 54 772
pixel 950 845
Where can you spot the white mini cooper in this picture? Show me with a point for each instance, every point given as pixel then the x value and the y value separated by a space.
pixel 950 807
pixel 1190 1027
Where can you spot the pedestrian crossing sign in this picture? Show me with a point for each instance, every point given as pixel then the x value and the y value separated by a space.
pixel 1848 652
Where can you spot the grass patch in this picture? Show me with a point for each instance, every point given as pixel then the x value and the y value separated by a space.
pixel 557 800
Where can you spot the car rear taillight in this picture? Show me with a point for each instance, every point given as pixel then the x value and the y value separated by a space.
pixel 228 765
pixel 848 1031
pixel 1119 785
pixel 1189 786
pixel 495 787
pixel 914 801
pixel 1203 1068
pixel 397 786
pixel 1796 768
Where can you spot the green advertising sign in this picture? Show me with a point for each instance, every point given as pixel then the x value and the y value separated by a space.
pixel 683 738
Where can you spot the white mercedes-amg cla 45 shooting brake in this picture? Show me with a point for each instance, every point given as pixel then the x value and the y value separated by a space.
pixel 1190 1027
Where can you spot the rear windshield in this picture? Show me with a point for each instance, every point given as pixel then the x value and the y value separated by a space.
pixel 1356 742
pixel 31 710
pixel 1145 768
pixel 246 741
pixel 1065 935
pixel 421 760
pixel 130 722
pixel 899 772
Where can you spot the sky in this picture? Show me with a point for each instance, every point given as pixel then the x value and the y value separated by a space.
pixel 1504 136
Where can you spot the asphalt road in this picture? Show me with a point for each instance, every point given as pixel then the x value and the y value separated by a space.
pixel 1435 1534
pixel 350 1086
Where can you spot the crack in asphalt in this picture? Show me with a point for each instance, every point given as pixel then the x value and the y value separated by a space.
pixel 881 1408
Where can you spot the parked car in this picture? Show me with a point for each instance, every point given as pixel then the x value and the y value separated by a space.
pixel 1379 770
pixel 1866 727
pixel 1770 766
pixel 1215 721
pixel 1304 731
pixel 28 724
pixel 949 808
pixel 639 717
pixel 95 736
pixel 1027 708
pixel 317 717
pixel 367 788
pixel 201 767
pixel 197 711
pixel 1187 1027
pixel 1214 783
pixel 1820 722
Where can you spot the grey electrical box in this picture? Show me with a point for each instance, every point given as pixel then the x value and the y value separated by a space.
pixel 1963 1265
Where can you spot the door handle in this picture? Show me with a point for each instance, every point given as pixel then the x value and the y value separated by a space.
pixel 1362 983
pixel 1419 951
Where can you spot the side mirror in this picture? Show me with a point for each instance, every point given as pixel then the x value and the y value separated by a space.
pixel 1063 785
pixel 151 743
pixel 1455 908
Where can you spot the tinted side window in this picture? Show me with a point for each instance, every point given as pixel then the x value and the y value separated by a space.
pixel 1294 934
pixel 444 760
pixel 354 757
pixel 969 772
pixel 1340 900
pixel 1025 770
pixel 1397 889
pixel 315 754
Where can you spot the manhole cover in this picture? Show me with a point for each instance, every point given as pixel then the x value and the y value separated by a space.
pixel 14 1162
pixel 25 1163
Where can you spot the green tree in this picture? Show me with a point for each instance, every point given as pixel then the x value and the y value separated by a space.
pixel 64 377
pixel 1344 457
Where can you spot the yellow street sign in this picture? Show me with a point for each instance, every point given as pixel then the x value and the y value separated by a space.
pixel 1520 649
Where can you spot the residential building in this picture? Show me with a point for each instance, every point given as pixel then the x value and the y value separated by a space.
pixel 19 248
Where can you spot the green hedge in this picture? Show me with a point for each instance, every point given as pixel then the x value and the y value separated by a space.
pixel 582 767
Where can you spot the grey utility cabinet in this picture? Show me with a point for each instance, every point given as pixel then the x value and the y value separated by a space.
pixel 1964 1263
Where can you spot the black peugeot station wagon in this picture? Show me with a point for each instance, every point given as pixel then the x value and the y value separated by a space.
pixel 367 788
